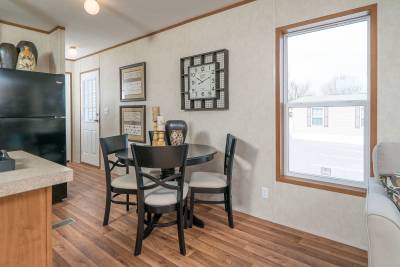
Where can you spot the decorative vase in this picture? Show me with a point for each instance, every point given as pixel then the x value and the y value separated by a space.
pixel 27 56
pixel 22 44
pixel 8 56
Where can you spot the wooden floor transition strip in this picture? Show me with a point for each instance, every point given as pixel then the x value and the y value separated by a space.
pixel 63 223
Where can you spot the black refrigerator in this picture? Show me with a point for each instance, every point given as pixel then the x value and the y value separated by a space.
pixel 32 117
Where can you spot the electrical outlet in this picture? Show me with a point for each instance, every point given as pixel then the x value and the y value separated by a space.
pixel 264 192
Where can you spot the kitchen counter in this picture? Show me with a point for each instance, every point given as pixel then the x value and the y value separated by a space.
pixel 26 210
pixel 32 172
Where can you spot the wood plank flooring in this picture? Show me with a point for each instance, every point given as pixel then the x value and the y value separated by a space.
pixel 253 242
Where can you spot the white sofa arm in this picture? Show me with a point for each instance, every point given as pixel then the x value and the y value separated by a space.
pixel 383 222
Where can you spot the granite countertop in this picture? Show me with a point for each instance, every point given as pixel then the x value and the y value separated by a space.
pixel 32 172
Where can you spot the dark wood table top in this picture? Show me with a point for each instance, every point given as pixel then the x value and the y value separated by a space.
pixel 197 154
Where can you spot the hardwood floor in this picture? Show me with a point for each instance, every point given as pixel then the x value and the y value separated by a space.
pixel 253 242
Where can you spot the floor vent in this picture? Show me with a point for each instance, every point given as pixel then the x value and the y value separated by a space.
pixel 63 223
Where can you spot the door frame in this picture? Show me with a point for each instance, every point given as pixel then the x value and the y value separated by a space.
pixel 80 117
pixel 71 114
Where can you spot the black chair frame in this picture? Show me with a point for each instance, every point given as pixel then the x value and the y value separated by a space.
pixel 230 148
pixel 143 159
pixel 109 146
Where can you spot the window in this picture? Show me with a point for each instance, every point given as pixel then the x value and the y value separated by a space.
pixel 327 68
pixel 317 116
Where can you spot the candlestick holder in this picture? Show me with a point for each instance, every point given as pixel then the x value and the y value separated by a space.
pixel 158 138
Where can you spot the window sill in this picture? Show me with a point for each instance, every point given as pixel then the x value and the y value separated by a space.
pixel 343 189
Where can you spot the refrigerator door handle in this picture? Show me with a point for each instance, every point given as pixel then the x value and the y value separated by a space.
pixel 60 117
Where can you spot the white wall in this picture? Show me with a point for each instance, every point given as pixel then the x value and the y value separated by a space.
pixel 57 51
pixel 248 33
pixel 50 47
pixel 69 68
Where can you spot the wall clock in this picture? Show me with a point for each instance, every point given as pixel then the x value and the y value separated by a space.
pixel 204 81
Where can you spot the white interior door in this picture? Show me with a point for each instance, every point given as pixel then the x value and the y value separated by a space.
pixel 68 114
pixel 90 118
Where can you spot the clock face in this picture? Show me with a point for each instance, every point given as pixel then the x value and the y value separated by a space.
pixel 202 81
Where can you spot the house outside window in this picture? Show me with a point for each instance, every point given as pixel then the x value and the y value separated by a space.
pixel 317 116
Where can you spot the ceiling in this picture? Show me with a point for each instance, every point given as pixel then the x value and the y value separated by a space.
pixel 117 21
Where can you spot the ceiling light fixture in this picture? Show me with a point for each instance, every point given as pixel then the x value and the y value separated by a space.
pixel 91 7
pixel 73 51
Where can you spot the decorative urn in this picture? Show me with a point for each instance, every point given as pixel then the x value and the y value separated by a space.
pixel 8 56
pixel 27 57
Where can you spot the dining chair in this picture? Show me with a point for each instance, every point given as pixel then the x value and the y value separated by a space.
pixel 125 184
pixel 215 183
pixel 176 130
pixel 160 194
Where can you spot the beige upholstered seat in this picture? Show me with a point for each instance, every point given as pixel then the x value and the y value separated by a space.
pixel 153 172
pixel 127 181
pixel 208 180
pixel 161 196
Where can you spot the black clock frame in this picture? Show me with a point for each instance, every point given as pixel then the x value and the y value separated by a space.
pixel 225 89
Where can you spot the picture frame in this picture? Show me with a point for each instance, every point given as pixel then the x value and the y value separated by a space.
pixel 133 122
pixel 133 82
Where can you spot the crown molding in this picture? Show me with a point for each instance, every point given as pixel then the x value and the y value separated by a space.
pixel 32 28
pixel 220 10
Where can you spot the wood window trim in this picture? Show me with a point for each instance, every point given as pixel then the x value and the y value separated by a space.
pixel 279 108
pixel 338 188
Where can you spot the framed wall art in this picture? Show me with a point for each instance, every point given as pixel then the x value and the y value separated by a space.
pixel 133 82
pixel 204 81
pixel 133 123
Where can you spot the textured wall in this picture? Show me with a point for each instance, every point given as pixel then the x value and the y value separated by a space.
pixel 248 33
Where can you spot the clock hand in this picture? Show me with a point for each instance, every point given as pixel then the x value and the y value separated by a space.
pixel 198 79
pixel 204 80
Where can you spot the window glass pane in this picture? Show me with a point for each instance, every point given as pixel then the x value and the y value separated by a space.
pixel 317 112
pixel 317 121
pixel 336 151
pixel 328 64
pixel 325 68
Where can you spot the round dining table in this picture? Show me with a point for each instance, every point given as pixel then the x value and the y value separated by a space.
pixel 197 154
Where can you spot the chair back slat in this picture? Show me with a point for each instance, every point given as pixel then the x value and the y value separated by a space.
pixel 111 145
pixel 114 144
pixel 160 181
pixel 230 148
pixel 160 157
